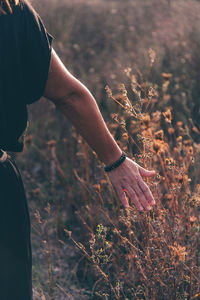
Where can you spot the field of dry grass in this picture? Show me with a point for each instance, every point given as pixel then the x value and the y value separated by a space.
pixel 140 59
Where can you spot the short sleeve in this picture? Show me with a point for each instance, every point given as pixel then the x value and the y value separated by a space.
pixel 37 46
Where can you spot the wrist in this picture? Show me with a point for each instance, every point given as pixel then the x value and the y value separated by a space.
pixel 115 164
pixel 111 155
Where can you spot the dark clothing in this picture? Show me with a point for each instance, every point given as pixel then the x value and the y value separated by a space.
pixel 15 242
pixel 25 52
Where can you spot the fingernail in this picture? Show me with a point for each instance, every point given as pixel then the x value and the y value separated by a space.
pixel 126 205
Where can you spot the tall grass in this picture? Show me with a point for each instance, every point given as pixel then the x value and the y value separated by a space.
pixel 90 247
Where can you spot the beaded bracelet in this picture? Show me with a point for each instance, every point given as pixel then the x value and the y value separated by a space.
pixel 116 164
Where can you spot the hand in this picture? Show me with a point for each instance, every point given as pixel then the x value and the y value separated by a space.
pixel 127 178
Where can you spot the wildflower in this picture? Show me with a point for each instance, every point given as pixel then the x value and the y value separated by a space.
pixel 133 79
pixel 152 93
pixel 97 188
pixel 166 97
pixel 198 188
pixel 170 162
pixel 179 178
pixel 127 71
pixel 122 89
pixel 185 178
pixel 48 208
pixel 125 136
pixel 119 97
pixel 161 146
pixel 108 91
pixel 179 124
pixel 146 119
pixel 156 116
pixel 191 150
pixel 114 116
pixel 196 296
pixel 195 129
pixel 156 146
pixel 152 55
pixel 167 115
pixel 38 216
pixel 167 76
pixel 165 86
pixel 171 130
pixel 178 253
pixel 159 135
pixel 192 219
pixel 147 135
pixel 195 200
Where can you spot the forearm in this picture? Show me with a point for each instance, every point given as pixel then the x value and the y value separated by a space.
pixel 83 112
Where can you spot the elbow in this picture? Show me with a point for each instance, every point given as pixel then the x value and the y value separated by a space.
pixel 73 98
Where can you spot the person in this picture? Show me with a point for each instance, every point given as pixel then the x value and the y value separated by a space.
pixel 30 69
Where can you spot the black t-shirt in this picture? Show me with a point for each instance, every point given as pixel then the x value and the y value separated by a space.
pixel 25 53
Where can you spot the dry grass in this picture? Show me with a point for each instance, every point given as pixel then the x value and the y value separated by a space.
pixel 87 245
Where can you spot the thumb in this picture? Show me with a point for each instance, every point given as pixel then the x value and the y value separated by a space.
pixel 146 173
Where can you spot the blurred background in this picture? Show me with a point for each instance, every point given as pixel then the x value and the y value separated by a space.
pixel 98 41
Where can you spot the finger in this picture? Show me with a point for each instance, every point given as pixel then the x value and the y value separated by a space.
pixel 146 173
pixel 133 198
pixel 147 192
pixel 142 197
pixel 122 196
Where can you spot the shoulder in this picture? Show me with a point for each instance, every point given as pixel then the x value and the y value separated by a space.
pixel 23 6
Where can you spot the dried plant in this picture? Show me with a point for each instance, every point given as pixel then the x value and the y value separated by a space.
pixel 122 253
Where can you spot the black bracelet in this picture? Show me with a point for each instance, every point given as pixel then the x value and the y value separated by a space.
pixel 116 163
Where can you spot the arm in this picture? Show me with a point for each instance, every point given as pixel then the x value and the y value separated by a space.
pixel 75 101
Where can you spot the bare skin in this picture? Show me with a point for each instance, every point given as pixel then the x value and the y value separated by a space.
pixel 76 102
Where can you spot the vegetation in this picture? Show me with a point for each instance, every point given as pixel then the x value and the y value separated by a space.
pixel 140 60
